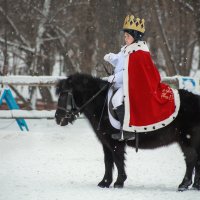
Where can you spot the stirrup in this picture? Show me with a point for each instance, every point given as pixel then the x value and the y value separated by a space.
pixel 123 136
pixel 118 136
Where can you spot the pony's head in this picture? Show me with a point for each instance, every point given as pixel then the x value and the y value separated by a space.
pixel 66 104
pixel 73 93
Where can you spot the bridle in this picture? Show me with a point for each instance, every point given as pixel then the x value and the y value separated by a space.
pixel 70 101
pixel 72 114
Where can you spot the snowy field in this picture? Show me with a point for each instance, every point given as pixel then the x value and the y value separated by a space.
pixel 66 163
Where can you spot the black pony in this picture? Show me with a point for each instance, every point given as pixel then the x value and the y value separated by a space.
pixel 88 94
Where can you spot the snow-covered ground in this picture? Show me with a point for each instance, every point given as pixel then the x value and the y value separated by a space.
pixel 62 163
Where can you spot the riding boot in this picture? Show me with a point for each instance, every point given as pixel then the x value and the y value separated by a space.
pixel 122 135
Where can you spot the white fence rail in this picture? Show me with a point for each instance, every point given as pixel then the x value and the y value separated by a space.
pixel 27 114
pixel 30 80
pixel 51 81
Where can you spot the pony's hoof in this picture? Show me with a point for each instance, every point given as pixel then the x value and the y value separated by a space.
pixel 118 185
pixel 184 185
pixel 182 188
pixel 104 184
pixel 195 187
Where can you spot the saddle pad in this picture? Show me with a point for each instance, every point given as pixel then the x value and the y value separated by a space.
pixel 111 114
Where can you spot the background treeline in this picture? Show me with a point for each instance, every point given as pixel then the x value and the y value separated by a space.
pixel 60 37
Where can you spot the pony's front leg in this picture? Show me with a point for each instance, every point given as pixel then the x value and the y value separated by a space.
pixel 119 158
pixel 196 184
pixel 108 161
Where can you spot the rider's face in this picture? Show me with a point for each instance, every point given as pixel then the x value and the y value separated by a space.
pixel 128 38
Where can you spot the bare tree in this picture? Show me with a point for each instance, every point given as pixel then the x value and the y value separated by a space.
pixel 75 35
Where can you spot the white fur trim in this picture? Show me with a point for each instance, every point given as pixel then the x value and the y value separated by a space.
pixel 154 126
pixel 115 123
pixel 140 45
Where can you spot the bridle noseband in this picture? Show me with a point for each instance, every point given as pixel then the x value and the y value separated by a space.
pixel 70 100
pixel 70 114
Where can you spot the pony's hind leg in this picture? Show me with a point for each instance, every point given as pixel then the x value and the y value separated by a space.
pixel 196 184
pixel 108 161
pixel 190 159
pixel 119 158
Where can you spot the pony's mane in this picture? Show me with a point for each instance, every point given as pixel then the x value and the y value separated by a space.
pixel 85 81
pixel 84 77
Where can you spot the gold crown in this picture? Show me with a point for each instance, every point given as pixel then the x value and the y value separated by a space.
pixel 133 23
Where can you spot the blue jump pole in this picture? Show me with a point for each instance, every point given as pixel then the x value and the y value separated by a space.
pixel 12 105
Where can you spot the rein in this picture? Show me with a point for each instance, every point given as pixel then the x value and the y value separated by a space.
pixel 91 99
pixel 71 114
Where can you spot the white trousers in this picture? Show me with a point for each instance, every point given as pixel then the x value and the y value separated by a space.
pixel 117 98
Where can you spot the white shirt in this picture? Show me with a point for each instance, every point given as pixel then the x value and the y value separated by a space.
pixel 117 60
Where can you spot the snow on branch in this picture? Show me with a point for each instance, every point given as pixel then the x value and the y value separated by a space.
pixel 66 35
pixel 24 41
pixel 186 5
pixel 64 7
pixel 19 46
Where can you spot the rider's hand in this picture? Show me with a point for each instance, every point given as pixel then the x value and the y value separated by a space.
pixel 109 57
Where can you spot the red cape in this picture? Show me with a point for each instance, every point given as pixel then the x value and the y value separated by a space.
pixel 151 104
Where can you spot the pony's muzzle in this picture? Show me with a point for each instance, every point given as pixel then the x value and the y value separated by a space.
pixel 60 120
